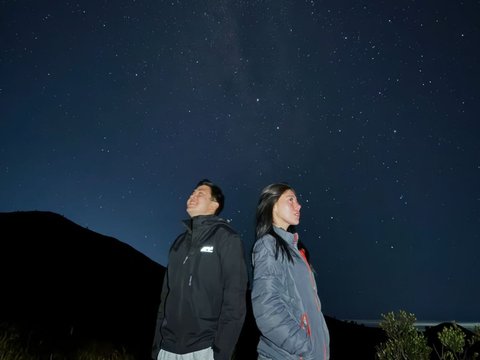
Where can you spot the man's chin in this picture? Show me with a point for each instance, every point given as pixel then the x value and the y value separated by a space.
pixel 191 212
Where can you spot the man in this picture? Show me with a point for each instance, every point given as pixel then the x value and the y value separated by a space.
pixel 202 306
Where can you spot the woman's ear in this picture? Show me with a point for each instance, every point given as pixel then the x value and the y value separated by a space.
pixel 274 214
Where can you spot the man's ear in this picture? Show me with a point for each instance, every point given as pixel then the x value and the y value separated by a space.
pixel 214 206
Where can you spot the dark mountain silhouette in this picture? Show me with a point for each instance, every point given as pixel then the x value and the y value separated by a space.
pixel 72 284
pixel 349 340
pixel 67 286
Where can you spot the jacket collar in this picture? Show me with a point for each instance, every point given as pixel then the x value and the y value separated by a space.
pixel 291 239
pixel 199 220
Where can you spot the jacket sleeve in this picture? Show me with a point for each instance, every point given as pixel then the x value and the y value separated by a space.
pixel 157 338
pixel 273 314
pixel 233 309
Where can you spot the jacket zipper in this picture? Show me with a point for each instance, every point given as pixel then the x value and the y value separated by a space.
pixel 190 277
pixel 312 282
pixel 306 325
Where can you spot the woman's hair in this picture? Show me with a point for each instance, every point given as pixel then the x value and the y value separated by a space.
pixel 264 217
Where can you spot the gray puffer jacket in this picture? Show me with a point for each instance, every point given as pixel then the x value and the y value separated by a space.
pixel 286 304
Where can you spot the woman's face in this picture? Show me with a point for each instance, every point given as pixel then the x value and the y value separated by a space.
pixel 286 210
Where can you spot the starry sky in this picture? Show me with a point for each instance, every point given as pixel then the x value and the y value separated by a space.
pixel 111 111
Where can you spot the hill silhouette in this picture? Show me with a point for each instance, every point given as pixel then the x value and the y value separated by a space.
pixel 70 285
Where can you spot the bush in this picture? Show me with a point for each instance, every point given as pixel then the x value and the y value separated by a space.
pixel 102 351
pixel 11 347
pixel 404 341
pixel 454 346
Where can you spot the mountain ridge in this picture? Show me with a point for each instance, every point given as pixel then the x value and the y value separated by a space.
pixel 66 280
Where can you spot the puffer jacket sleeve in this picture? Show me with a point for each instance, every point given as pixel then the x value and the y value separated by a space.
pixel 272 310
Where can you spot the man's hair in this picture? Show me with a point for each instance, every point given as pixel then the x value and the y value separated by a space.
pixel 217 194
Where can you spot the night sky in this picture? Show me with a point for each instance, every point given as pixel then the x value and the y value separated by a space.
pixel 111 111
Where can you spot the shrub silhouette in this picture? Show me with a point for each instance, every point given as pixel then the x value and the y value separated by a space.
pixel 102 351
pixel 454 346
pixel 11 346
pixel 404 341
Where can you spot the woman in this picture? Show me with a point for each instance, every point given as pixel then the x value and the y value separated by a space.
pixel 284 294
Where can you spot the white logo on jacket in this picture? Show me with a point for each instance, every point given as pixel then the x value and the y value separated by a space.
pixel 207 249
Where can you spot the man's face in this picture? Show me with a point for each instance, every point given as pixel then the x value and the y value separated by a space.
pixel 201 202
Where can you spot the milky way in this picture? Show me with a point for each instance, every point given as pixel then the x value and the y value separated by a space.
pixel 111 111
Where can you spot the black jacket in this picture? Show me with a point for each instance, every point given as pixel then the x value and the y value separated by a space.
pixel 203 295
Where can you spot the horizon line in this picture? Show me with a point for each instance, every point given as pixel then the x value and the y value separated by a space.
pixel 422 324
